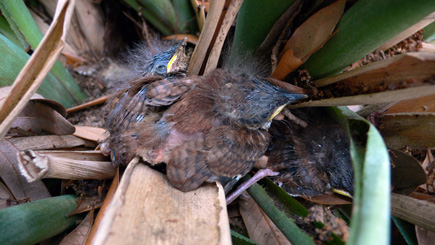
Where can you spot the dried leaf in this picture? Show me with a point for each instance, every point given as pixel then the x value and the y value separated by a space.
pixel 228 19
pixel 37 67
pixel 15 182
pixel 401 77
pixel 424 236
pixel 329 199
pixel 315 31
pixel 5 196
pixel 205 39
pixel 145 202
pixel 407 173
pixel 308 38
pixel 39 118
pixel 288 63
pixel 414 211
pixel 409 129
pixel 260 228
pixel 107 200
pixel 422 104
pixel 429 168
pixel 79 234
pixel 91 133
pixel 90 17
pixel 190 38
pixel 47 142
pixel 35 166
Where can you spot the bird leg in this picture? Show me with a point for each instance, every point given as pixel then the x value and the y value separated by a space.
pixel 258 176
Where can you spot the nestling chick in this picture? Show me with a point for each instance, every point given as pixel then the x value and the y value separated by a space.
pixel 312 160
pixel 147 66
pixel 215 131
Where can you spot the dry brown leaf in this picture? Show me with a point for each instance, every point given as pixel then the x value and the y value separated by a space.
pixel 428 165
pixel 35 166
pixel 80 233
pixel 424 237
pixel 6 197
pixel 409 129
pixel 48 142
pixel 37 67
pixel 423 196
pixel 91 133
pixel 200 8
pixel 228 19
pixel 15 182
pixel 414 67
pixel 402 77
pixel 146 206
pixel 260 228
pixel 329 199
pixel 205 39
pixel 107 200
pixel 91 24
pixel 77 155
pixel 315 31
pixel 406 174
pixel 193 39
pixel 288 63
pixel 414 211
pixel 423 104
pixel 39 118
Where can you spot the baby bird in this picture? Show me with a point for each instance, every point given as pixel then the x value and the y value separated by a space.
pixel 312 159
pixel 149 66
pixel 215 131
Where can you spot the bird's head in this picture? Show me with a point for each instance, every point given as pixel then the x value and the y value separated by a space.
pixel 169 62
pixel 252 101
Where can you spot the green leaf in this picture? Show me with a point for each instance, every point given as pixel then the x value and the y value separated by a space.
pixel 285 199
pixel 185 17
pixel 254 21
pixel 239 239
pixel 13 59
pixel 370 223
pixel 26 30
pixel 160 13
pixel 7 31
pixel 33 222
pixel 290 230
pixel 429 32
pixel 363 28
pixel 407 230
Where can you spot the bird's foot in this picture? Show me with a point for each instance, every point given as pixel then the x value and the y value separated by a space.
pixel 258 176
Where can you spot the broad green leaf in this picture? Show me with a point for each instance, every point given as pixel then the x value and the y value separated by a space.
pixel 370 223
pixel 13 58
pixel 26 30
pixel 33 222
pixel 254 21
pixel 363 28
pixel 407 230
pixel 293 233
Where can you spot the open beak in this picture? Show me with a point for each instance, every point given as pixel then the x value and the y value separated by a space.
pixel 178 55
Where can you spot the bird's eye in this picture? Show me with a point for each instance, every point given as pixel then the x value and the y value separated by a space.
pixel 161 70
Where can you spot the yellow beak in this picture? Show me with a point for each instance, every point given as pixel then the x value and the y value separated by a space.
pixel 176 55
pixel 276 112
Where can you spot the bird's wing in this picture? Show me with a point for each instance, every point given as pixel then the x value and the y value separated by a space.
pixel 233 151
pixel 225 152
pixel 167 91
pixel 187 168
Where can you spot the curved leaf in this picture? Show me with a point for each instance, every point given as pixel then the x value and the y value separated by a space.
pixel 370 222
pixel 362 29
